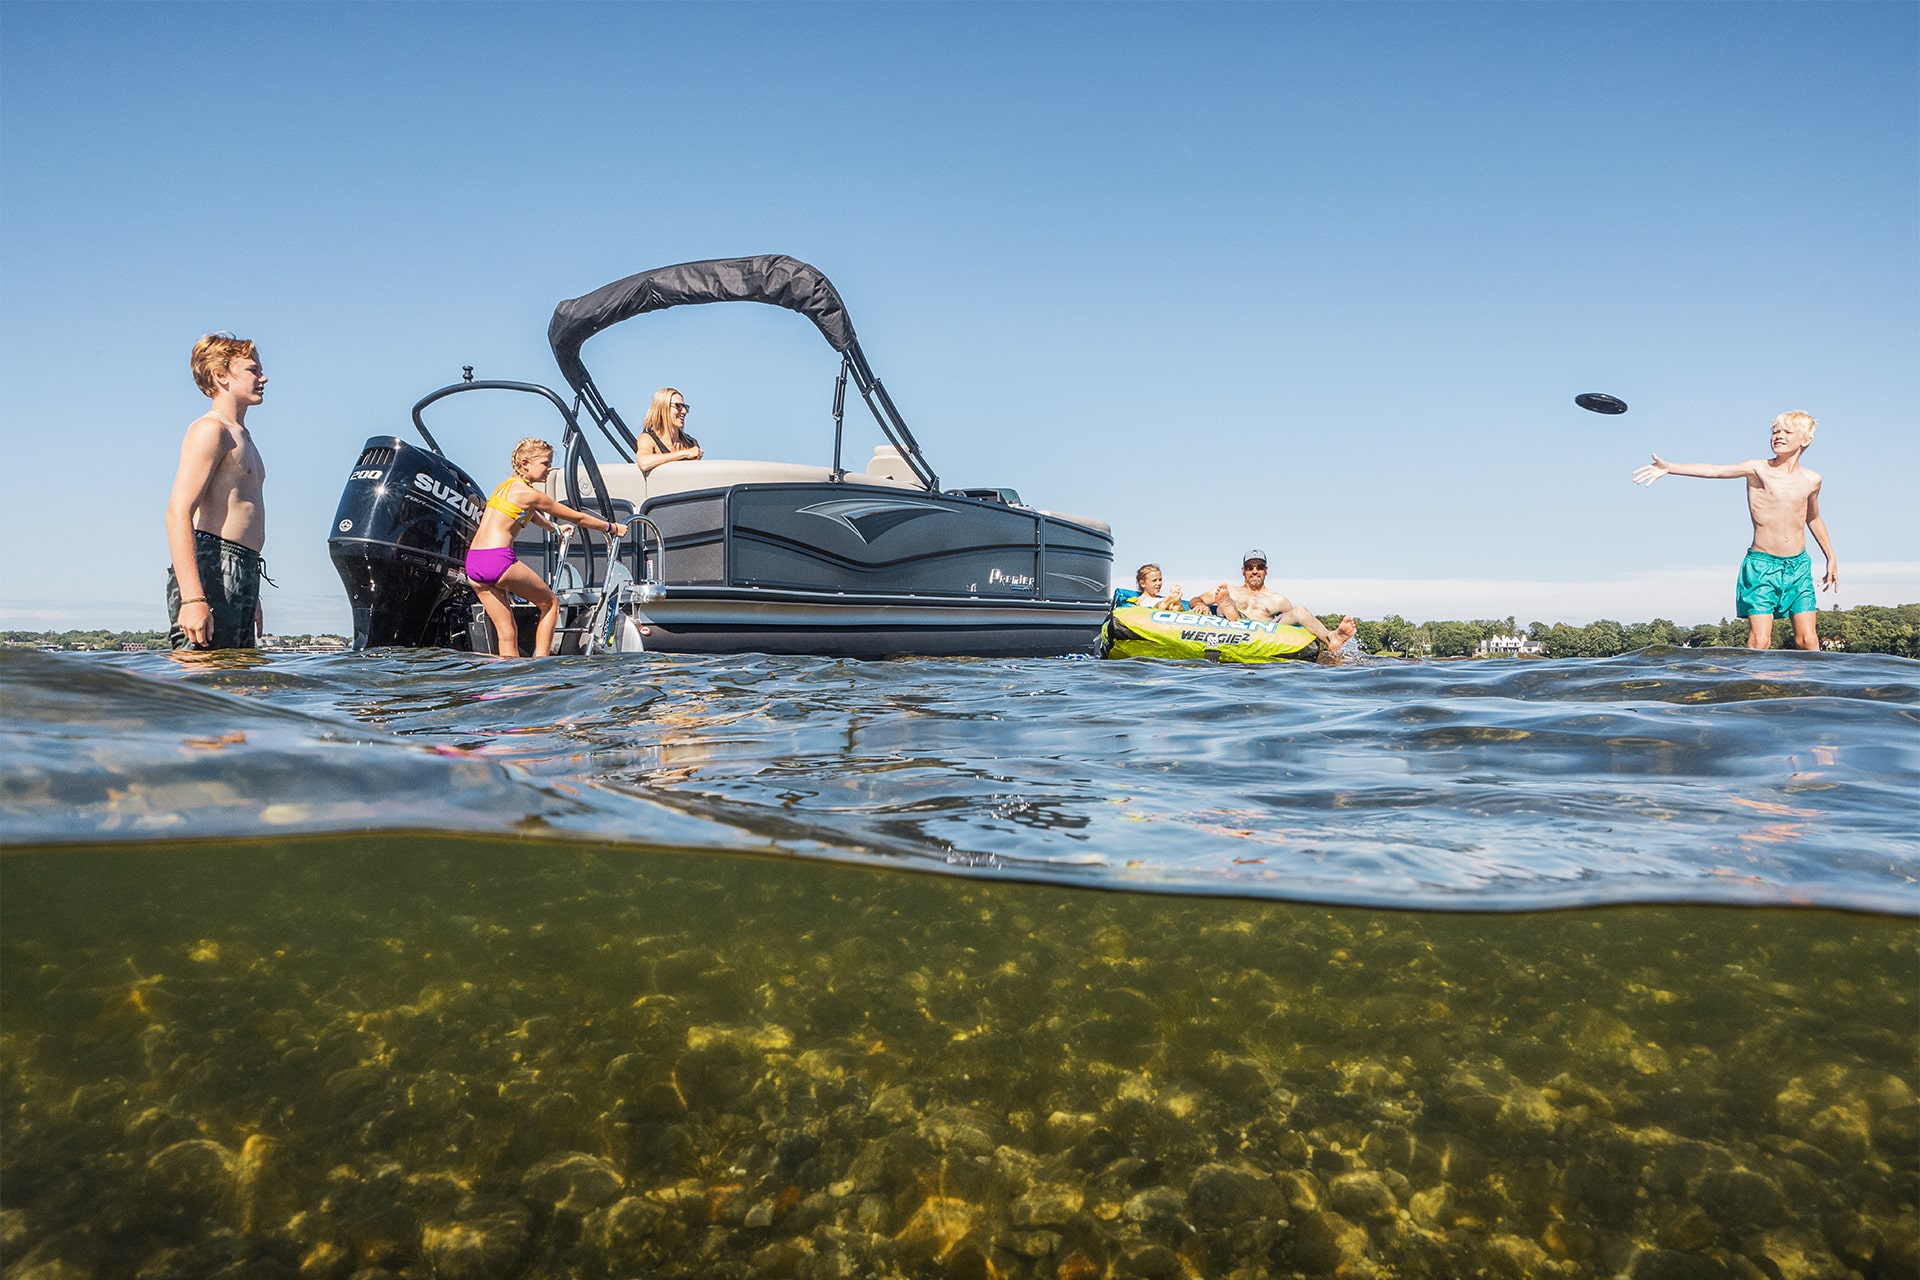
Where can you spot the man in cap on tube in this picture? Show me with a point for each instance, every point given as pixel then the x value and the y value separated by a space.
pixel 1256 601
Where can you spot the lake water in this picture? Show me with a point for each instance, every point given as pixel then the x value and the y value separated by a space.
pixel 417 964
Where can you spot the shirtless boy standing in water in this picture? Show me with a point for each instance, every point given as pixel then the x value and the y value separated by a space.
pixel 1783 498
pixel 216 517
pixel 1254 599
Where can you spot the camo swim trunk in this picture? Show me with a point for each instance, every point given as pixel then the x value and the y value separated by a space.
pixel 1776 586
pixel 230 578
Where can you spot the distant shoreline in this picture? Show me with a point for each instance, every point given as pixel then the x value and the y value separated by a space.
pixel 102 640
pixel 1865 628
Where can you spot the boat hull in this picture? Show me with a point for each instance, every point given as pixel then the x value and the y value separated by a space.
pixel 830 569
pixel 851 570
pixel 691 620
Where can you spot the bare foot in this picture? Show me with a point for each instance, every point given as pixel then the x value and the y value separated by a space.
pixel 1335 644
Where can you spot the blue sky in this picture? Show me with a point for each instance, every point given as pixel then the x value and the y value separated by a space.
pixel 1321 279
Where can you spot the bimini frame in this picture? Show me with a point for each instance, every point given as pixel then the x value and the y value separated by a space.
pixel 773 279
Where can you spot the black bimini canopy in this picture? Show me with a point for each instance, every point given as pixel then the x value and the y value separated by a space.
pixel 772 278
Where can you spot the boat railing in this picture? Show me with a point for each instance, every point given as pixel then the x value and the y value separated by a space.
pixel 581 568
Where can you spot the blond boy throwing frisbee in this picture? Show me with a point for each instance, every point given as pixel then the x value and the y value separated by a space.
pixel 1783 498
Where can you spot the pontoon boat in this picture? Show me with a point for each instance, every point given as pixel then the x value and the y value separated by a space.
pixel 724 556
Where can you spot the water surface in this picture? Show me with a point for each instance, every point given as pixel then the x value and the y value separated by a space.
pixel 372 967
pixel 1671 775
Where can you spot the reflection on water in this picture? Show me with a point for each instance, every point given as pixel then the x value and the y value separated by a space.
pixel 440 1056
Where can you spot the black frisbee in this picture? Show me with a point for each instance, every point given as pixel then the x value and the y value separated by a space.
pixel 1600 402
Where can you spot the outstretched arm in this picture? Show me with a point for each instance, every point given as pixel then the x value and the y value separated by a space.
pixel 1831 581
pixel 1704 470
pixel 561 511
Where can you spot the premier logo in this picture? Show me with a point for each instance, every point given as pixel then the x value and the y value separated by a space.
pixel 447 496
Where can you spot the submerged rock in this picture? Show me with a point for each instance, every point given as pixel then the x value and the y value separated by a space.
pixel 1844 1132
pixel 1669 1264
pixel 1739 1198
pixel 1435 1208
pixel 1223 1195
pixel 1687 1231
pixel 1325 1242
pixel 1030 1244
pixel 572 1182
pixel 632 1220
pixel 1046 1206
pixel 1362 1195
pixel 779 1259
pixel 1155 1207
pixel 1794 1254
pixel 327 1260
pixel 1148 1260
pixel 1897 1250
pixel 197 1176
pixel 939 1224
pixel 485 1244
pixel 894 1105
pixel 1833 1108
pixel 959 1130
pixel 1388 1147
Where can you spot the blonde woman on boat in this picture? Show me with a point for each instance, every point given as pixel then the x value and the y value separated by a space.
pixel 663 436
pixel 493 570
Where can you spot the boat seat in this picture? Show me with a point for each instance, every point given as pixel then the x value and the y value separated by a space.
pixel 624 484
pixel 722 473
pixel 1089 522
pixel 888 467
pixel 625 481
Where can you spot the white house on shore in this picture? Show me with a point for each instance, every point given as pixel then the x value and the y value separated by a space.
pixel 1509 647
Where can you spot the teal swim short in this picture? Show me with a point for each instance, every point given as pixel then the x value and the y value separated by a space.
pixel 1780 586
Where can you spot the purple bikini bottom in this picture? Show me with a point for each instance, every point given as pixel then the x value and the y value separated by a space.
pixel 486 564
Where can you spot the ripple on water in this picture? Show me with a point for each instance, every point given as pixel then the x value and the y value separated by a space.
pixel 1672 775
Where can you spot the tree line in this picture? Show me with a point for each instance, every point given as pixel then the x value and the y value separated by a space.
pixel 1865 628
pixel 97 638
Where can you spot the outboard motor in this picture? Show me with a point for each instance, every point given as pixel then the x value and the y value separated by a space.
pixel 400 541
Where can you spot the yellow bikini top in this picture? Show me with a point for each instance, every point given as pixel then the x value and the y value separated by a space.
pixel 498 501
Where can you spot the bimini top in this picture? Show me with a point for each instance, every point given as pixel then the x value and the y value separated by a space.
pixel 772 278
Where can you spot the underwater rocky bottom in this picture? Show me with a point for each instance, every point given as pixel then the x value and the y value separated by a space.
pixel 462 1058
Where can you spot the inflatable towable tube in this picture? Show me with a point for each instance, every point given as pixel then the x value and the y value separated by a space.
pixel 1136 632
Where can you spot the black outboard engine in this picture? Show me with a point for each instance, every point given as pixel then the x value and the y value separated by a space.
pixel 400 543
